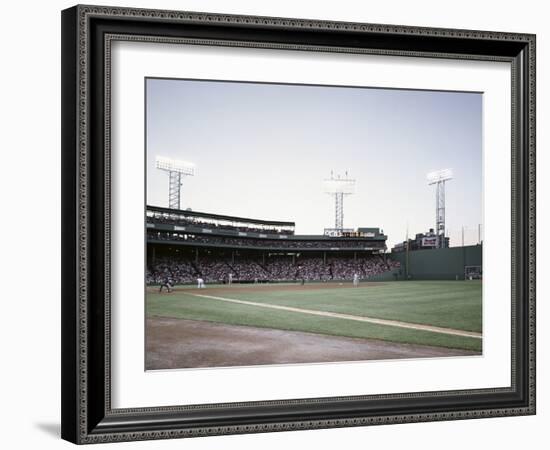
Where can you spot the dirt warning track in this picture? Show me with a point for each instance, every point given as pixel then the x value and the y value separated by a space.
pixel 181 343
pixel 275 287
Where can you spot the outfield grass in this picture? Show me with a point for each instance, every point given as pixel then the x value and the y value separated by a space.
pixel 449 304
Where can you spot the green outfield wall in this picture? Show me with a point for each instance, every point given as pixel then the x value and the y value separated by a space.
pixel 437 264
pixel 390 275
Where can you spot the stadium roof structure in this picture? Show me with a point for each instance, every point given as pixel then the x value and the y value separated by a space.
pixel 205 215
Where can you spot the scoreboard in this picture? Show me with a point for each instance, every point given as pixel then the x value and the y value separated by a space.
pixel 348 232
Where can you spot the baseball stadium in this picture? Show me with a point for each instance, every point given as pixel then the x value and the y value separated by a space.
pixel 248 259
pixel 228 291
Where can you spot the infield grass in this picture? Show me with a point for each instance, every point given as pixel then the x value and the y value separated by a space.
pixel 448 304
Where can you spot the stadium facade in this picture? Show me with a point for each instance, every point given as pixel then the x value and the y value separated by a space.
pixel 183 245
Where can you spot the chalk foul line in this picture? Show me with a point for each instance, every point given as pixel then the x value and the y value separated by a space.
pixel 390 323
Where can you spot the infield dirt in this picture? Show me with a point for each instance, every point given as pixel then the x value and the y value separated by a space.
pixel 181 343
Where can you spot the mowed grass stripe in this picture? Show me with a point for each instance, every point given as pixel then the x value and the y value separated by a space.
pixel 445 304
pixel 385 322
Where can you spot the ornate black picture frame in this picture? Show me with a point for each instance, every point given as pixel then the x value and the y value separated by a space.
pixel 87 33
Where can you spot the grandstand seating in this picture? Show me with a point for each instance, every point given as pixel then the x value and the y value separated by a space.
pixel 215 269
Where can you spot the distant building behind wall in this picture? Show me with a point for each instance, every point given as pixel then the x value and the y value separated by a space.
pixel 422 241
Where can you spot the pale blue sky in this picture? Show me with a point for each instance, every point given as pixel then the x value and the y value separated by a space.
pixel 263 150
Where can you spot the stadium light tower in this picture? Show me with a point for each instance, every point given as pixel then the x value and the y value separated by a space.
pixel 439 177
pixel 176 170
pixel 338 187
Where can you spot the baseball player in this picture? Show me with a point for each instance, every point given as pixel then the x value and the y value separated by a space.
pixel 166 283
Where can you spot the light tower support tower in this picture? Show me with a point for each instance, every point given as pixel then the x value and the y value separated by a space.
pixel 439 177
pixel 339 187
pixel 176 171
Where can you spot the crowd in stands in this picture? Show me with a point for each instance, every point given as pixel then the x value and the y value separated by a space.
pixel 276 268
pixel 259 242
pixel 197 221
pixel 178 272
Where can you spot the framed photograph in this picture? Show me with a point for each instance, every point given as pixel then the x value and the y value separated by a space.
pixel 276 224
